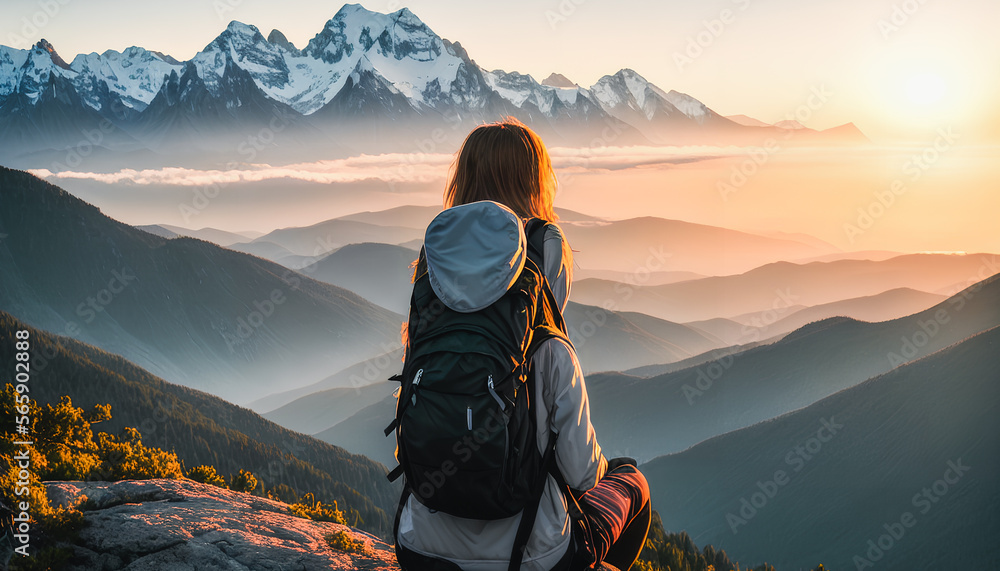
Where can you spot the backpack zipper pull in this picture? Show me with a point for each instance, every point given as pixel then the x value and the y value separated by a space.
pixel 416 381
pixel 489 384
pixel 468 416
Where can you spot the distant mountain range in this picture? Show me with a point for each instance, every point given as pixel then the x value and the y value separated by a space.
pixel 702 397
pixel 187 310
pixel 738 389
pixel 366 82
pixel 899 472
pixel 213 235
pixel 776 290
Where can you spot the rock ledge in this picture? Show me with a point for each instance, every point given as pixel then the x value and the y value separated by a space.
pixel 181 525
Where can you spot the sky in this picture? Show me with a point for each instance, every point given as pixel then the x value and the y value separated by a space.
pixel 898 69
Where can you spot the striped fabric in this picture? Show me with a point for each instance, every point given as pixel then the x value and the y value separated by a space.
pixel 619 515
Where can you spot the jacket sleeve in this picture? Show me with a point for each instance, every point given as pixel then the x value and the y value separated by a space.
pixel 558 271
pixel 578 455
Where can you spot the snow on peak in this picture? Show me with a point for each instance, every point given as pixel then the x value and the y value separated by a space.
pixel 238 28
pixel 688 105
pixel 135 74
pixel 45 46
pixel 398 49
pixel 11 60
pixel 521 89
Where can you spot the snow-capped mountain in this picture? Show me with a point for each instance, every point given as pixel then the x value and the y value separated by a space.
pixel 367 82
pixel 135 75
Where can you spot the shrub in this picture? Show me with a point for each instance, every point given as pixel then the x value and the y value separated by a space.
pixel 342 541
pixel 317 511
pixel 206 475
pixel 243 482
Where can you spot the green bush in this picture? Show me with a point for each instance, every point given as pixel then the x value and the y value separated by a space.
pixel 317 511
pixel 342 541
pixel 206 475
pixel 243 482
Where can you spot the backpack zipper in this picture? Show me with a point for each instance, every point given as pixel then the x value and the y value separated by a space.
pixel 468 416
pixel 416 381
pixel 489 384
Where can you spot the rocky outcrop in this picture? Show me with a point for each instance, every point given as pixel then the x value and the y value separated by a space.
pixel 158 525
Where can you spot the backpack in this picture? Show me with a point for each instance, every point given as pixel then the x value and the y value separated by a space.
pixel 464 425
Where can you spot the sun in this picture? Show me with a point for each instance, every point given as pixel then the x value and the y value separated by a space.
pixel 925 88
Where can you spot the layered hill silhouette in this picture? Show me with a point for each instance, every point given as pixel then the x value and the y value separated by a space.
pixel 200 428
pixel 378 272
pixel 318 411
pixel 741 389
pixel 612 341
pixel 187 310
pixel 325 237
pixel 783 285
pixel 361 374
pixel 887 305
pixel 362 432
pixel 649 244
pixel 605 341
pixel 213 235
pixel 898 472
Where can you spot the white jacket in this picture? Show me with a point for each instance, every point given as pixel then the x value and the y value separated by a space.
pixel 462 281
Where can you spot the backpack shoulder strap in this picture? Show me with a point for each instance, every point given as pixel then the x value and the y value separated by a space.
pixel 523 532
pixel 534 232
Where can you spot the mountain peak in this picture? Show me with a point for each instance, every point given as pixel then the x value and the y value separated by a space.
pixel 239 28
pixel 847 132
pixel 406 14
pixel 45 46
pixel 350 11
pixel 277 38
pixel 558 80
pixel 166 57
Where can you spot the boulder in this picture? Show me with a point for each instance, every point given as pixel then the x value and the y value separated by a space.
pixel 181 525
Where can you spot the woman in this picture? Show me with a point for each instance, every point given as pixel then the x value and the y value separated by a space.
pixel 507 163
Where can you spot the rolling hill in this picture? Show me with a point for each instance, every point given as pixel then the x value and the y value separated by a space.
pixel 641 245
pixel 200 428
pixel 726 389
pixel 783 285
pixel 378 272
pixel 324 237
pixel 368 372
pixel 606 341
pixel 741 389
pixel 612 341
pixel 320 410
pixel 887 305
pixel 188 311
pixel 363 431
pixel 899 472
pixel 213 235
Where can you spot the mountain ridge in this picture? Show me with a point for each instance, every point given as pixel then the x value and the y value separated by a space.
pixel 888 447
pixel 362 68
pixel 187 310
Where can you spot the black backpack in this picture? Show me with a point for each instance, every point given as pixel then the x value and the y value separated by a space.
pixel 465 426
